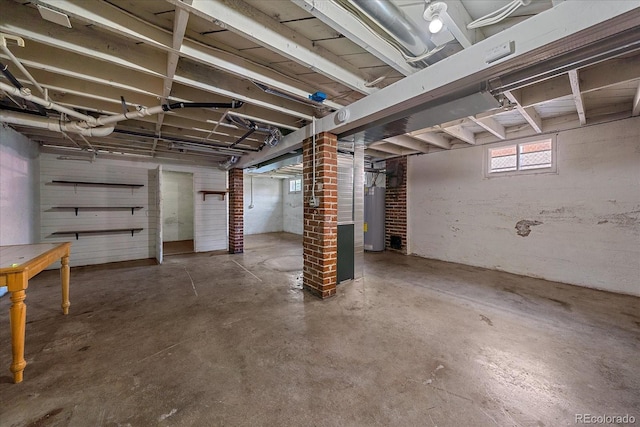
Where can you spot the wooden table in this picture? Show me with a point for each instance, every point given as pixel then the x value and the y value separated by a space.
pixel 18 264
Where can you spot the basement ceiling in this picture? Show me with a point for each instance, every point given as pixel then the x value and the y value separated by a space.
pixel 122 55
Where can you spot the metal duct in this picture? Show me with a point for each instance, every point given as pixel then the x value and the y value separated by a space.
pixel 271 140
pixel 425 115
pixel 414 43
pixel 226 165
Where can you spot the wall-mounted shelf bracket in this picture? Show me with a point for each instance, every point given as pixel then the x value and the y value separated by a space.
pixel 222 194
pixel 99 208
pixel 113 230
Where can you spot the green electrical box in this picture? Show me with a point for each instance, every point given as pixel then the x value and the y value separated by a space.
pixel 346 256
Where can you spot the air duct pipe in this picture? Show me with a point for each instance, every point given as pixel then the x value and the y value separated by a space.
pixel 271 140
pixel 226 165
pixel 393 21
pixel 54 125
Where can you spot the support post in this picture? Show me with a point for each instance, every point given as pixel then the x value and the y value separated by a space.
pixel 320 230
pixel 236 221
pixel 395 223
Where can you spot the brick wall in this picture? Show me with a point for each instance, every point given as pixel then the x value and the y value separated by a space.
pixel 395 222
pixel 236 223
pixel 320 224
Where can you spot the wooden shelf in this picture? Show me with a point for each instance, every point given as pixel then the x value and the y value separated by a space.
pixel 98 208
pixel 218 193
pixel 97 184
pixel 112 230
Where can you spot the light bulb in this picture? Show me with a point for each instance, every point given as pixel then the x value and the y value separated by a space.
pixel 435 25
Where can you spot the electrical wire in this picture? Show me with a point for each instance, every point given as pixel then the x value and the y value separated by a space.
pixel 498 15
pixel 412 59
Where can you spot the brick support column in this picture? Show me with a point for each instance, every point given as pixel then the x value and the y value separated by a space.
pixel 236 213
pixel 395 222
pixel 320 229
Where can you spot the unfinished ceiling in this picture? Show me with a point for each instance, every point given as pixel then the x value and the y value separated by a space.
pixel 258 62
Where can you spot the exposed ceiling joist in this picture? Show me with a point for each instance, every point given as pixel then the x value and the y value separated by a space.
pixel 345 23
pixel 251 23
pixel 469 67
pixel 389 148
pixel 118 22
pixel 409 143
pixel 490 125
pixel 217 82
pixel 596 77
pixel 529 113
pixel 378 154
pixel 577 96
pixel 86 42
pixel 179 27
pixel 432 138
pixel 461 133
pixel 456 19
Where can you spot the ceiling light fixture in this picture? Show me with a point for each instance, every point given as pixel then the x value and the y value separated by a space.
pixel 433 14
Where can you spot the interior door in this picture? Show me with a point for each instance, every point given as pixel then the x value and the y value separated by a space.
pixel 159 214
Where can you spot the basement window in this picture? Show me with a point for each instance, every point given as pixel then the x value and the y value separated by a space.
pixel 295 185
pixel 532 156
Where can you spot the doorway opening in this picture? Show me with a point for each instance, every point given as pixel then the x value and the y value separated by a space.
pixel 177 213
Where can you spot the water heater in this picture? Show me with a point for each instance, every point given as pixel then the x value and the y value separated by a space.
pixel 374 219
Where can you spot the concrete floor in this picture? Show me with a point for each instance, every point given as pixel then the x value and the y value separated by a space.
pixel 210 339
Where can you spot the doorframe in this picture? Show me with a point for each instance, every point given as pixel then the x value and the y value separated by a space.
pixel 193 201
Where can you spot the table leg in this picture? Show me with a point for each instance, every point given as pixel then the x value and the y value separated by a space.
pixel 64 276
pixel 18 320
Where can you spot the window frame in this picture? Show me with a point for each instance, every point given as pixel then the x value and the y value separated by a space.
pixel 553 169
pixel 292 180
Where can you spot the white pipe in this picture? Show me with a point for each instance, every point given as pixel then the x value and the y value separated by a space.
pixel 141 112
pixel 52 124
pixel 313 202
pixel 17 63
pixel 26 94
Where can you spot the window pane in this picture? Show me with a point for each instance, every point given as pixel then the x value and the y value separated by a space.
pixel 295 185
pixel 535 155
pixel 503 159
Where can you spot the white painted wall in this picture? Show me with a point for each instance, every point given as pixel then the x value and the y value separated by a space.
pixel 266 214
pixel 210 225
pixel 292 209
pixel 590 210
pixel 19 189
pixel 177 207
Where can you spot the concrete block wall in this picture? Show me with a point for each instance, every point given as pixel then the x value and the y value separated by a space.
pixel 320 237
pixel 266 215
pixel 588 213
pixel 291 210
pixel 395 223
